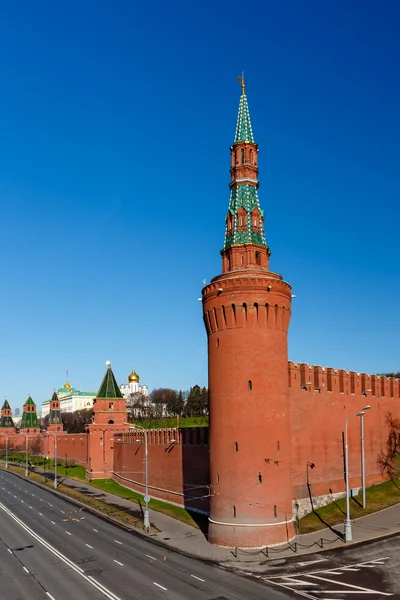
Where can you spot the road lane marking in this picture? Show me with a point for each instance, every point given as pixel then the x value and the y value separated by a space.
pixel 68 533
pixel 349 569
pixel 117 542
pixel 296 581
pixel 50 504
pixel 30 506
pixel 89 546
pixel 160 586
pixel 348 585
pixel 152 557
pixel 50 596
pixel 199 578
pixel 63 511
pixel 51 521
pixel 311 562
pixel 107 593
pixel 10 551
pixel 26 570
pixel 95 530
pixel 118 563
pixel 41 514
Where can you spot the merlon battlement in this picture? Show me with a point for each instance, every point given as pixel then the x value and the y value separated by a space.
pixel 318 379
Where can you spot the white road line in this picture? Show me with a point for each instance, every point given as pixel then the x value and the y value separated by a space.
pixel 26 570
pixel 63 511
pixel 89 546
pixel 50 596
pixel 10 551
pixel 22 501
pixel 30 506
pixel 348 585
pixel 349 569
pixel 110 595
pixel 296 581
pixel 199 578
pixel 41 514
pixel 118 563
pixel 332 572
pixel 117 542
pixel 51 521
pixel 311 562
pixel 160 586
pixel 152 557
pixel 68 533
pixel 50 504
pixel 95 530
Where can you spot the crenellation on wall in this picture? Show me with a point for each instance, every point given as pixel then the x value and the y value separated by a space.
pixel 313 378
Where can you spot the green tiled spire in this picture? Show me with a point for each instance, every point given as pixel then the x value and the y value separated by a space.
pixel 109 387
pixel 6 420
pixel 29 416
pixel 245 196
pixel 244 132
pixel 55 413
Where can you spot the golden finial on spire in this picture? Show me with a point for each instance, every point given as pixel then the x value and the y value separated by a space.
pixel 241 81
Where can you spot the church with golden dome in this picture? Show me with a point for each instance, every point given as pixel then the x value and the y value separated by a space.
pixel 133 386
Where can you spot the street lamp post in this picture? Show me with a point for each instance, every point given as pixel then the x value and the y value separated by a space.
pixel 362 413
pixel 55 461
pixel 6 451
pixel 26 456
pixel 348 535
pixel 146 518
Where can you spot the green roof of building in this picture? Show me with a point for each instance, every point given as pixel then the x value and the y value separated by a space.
pixel 6 405
pixel 244 133
pixel 6 422
pixel 29 402
pixel 109 387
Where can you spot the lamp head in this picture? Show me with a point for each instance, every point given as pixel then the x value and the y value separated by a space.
pixel 366 407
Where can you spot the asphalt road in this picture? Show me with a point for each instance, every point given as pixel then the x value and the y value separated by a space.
pixel 51 549
pixel 371 569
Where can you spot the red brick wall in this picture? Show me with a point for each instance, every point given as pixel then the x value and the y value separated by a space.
pixel 178 465
pixel 318 420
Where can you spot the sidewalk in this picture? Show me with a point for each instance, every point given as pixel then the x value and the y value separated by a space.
pixel 187 539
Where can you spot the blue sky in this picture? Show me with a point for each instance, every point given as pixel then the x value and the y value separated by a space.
pixel 116 120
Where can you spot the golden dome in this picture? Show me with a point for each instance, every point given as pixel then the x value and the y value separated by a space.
pixel 133 377
pixel 67 385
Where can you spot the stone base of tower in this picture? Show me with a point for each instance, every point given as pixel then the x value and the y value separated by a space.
pixel 247 535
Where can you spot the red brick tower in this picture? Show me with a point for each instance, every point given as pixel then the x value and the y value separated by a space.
pixel 55 421
pixel 109 416
pixel 246 313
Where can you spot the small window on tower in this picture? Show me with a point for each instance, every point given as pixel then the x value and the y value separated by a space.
pixel 111 405
pixel 249 385
pixel 242 156
pixel 251 157
pixel 258 258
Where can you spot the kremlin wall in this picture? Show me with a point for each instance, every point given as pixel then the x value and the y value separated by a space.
pixel 276 432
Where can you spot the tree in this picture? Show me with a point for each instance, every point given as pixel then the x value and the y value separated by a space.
pixel 197 402
pixel 77 421
pixel 389 461
pixel 165 399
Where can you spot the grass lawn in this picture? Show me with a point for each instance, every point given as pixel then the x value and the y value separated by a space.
pixel 378 497
pixel 173 422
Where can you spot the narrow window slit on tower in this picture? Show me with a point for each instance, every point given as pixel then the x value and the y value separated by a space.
pixel 217 477
pixel 249 385
pixel 236 447
pixel 234 510
pixel 275 511
pixel 259 478
pixel 278 446
pixel 217 343
pixel 242 156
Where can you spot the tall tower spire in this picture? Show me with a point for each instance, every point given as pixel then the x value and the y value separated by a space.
pixel 244 245
pixel 246 313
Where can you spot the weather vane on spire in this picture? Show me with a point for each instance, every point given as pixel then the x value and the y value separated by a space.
pixel 241 81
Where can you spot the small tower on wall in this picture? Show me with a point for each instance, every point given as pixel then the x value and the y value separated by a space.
pixel 246 313
pixel 55 422
pixel 109 416
pixel 29 422
pixel 6 422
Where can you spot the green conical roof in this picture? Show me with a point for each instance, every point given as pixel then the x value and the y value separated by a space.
pixel 6 405
pixel 109 387
pixel 54 397
pixel 29 402
pixel 244 132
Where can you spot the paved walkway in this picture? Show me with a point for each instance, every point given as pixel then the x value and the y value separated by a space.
pixel 190 540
